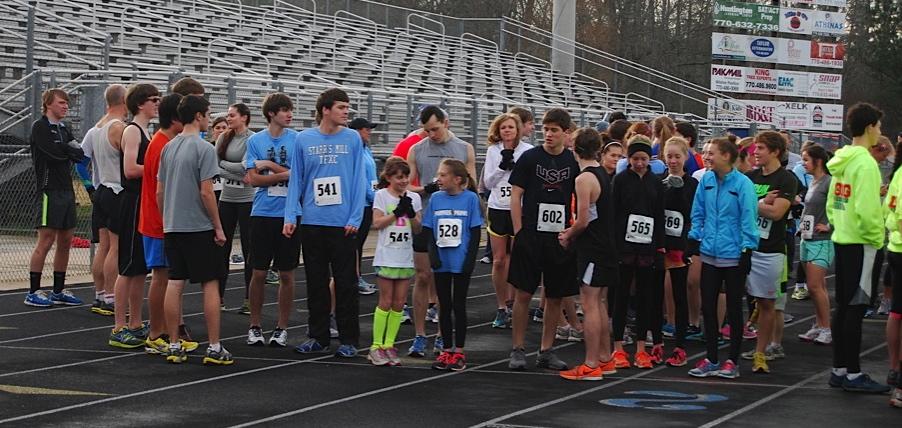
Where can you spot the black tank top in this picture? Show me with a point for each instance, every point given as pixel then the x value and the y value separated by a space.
pixel 133 185
pixel 598 238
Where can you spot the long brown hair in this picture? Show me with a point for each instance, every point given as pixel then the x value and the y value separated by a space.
pixel 459 169
pixel 663 129
pixel 229 135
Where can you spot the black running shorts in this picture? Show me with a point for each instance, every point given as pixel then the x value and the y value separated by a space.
pixel 538 258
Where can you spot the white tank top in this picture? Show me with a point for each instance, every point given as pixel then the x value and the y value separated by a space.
pixel 106 158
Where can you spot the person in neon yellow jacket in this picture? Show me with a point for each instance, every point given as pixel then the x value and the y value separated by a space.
pixel 892 209
pixel 853 208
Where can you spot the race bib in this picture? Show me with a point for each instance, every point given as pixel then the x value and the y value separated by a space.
pixel 551 218
pixel 279 190
pixel 234 184
pixel 504 195
pixel 673 223
pixel 397 237
pixel 806 226
pixel 449 232
pixel 764 225
pixel 217 184
pixel 327 191
pixel 639 229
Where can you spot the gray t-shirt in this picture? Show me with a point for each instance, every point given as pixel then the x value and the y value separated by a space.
pixel 231 170
pixel 815 210
pixel 430 154
pixel 186 162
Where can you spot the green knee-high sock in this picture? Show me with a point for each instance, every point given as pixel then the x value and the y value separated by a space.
pixel 394 324
pixel 380 320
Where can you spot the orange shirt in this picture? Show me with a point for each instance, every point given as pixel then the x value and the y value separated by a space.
pixel 150 222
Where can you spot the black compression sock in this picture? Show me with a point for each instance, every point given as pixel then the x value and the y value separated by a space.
pixel 59 281
pixel 35 281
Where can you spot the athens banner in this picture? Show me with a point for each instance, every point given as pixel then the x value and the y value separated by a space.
pixel 829 23
pixel 749 16
pixel 780 114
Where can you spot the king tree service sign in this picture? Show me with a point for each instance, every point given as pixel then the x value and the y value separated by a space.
pixel 749 16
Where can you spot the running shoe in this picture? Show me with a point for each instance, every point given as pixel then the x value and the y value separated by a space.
pixel 393 358
pixel 38 299
pixel 485 260
pixel 825 337
pixel 237 259
pixel 677 358
pixel 272 277
pixel 579 310
pixel 776 351
pixel 346 351
pixel 518 359
pixel 811 334
pixel 176 355
pixel 188 345
pixel 801 294
pixel 158 346
pixel 218 358
pixel 562 332
pixel 65 298
pixel 583 372
pixel 621 359
pixel 184 333
pixel 836 380
pixel 628 336
pixel 378 357
pixel 311 346
pixel 418 347
pixel 642 360
pixel 549 360
pixel 458 362
pixel 705 368
pixel 141 332
pixel 869 312
pixel 102 308
pixel 333 327
pixel 883 309
pixel 245 308
pixel 575 335
pixel 759 363
pixel 538 314
pixel 864 383
pixel 255 336
pixel 750 355
pixel 123 338
pixel 693 332
pixel 500 319
pixel 365 288
pixel 725 332
pixel 892 378
pixel 279 338
pixel 749 332
pixel 668 330
pixel 729 370
pixel 607 367
pixel 788 318
pixel 657 354
pixel 896 399
pixel 438 345
pixel 432 315
pixel 443 361
pixel 406 318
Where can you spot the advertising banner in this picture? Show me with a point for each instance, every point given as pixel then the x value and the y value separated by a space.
pixel 749 16
pixel 826 54
pixel 829 23
pixel 761 81
pixel 752 80
pixel 743 47
pixel 780 114
pixel 833 3
pixel 792 83
pixel 823 85
pixel 791 115
pixel 727 78
pixel 796 21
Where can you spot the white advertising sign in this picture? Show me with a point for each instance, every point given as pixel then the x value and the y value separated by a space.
pixel 828 23
pixel 743 47
pixel 833 3
pixel 796 21
pixel 761 81
pixel 727 78
pixel 752 80
pixel 823 85
pixel 780 114
pixel 792 83
pixel 791 115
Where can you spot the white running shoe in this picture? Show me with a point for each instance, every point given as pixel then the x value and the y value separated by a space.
pixel 255 336
pixel 825 337
pixel 279 338
pixel 811 334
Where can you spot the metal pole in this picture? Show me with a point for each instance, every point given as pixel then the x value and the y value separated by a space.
pixel 29 42
pixel 36 86
pixel 369 106
pixel 410 119
pixel 582 119
pixel 474 122
pixel 501 36
pixel 231 95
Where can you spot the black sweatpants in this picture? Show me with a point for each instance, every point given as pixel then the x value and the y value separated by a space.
pixel 232 214
pixel 329 253
pixel 452 291
pixel 649 300
pixel 678 279
pixel 854 263
pixel 713 278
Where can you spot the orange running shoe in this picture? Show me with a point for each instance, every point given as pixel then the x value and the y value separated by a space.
pixel 608 367
pixel 642 360
pixel 582 372
pixel 621 360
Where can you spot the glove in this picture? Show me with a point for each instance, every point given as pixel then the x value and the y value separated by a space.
pixel 745 262
pixel 411 213
pixel 672 182
pixel 431 187
pixel 404 206
pixel 507 160
pixel 692 249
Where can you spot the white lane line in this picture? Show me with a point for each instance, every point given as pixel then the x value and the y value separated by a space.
pixel 40 348
pixel 820 375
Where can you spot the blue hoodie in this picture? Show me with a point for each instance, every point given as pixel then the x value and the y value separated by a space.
pixel 722 208
pixel 329 178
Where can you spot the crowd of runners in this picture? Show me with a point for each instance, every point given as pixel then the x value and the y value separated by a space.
pixel 626 233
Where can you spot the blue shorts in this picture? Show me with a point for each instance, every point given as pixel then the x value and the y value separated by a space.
pixel 154 256
pixel 818 252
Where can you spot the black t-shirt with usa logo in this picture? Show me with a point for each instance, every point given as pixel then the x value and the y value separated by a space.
pixel 548 183
pixel 773 232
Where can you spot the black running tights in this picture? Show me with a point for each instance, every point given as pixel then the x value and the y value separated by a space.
pixel 452 291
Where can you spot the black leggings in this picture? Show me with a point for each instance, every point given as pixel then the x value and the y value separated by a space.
pixel 649 299
pixel 678 278
pixel 713 278
pixel 851 304
pixel 364 230
pixel 452 300
pixel 233 214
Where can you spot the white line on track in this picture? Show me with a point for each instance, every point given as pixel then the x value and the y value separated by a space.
pixel 820 375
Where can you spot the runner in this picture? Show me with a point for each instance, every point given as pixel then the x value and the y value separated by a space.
pixel 330 182
pixel 894 256
pixel 424 159
pixel 143 102
pixel 191 226
pixel 639 206
pixel 396 215
pixel 816 250
pixel 776 188
pixel 504 149
pixel 640 128
pixel 592 236
pixel 543 182
pixel 237 195
pixel 53 149
pixel 724 200
pixel 267 159
pixel 610 155
pixel 365 128
pixel 690 134
pixel 853 209
pixel 452 218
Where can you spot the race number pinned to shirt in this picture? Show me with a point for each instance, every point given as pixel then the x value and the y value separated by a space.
pixel 398 237
pixel 327 191
pixel 449 232
pixel 279 190
pixel 217 184
pixel 504 194
pixel 806 226
pixel 764 225
pixel 673 223
pixel 551 218
pixel 639 229
pixel 233 184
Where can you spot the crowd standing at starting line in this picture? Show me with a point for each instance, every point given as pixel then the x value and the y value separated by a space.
pixel 625 218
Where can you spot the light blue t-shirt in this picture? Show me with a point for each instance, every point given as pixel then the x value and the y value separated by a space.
pixel 656 166
pixel 450 218
pixel 269 201
pixel 370 164
pixel 329 178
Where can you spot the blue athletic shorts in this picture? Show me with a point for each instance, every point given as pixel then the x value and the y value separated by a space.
pixel 818 252
pixel 154 256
